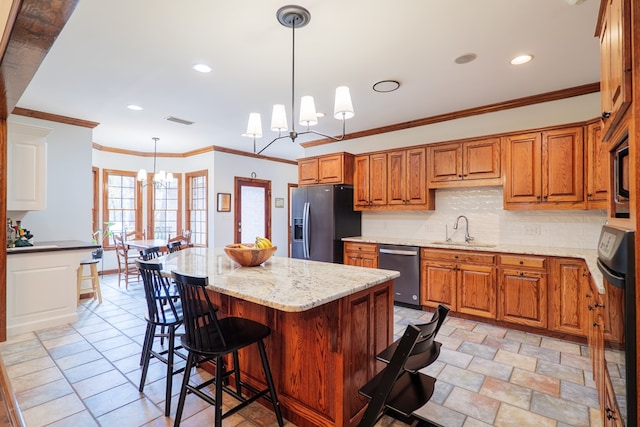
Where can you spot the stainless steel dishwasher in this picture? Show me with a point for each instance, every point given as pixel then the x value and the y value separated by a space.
pixel 406 260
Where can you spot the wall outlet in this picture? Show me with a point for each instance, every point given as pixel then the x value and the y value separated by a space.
pixel 532 229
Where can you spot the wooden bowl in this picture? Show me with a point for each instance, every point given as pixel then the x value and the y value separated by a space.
pixel 249 257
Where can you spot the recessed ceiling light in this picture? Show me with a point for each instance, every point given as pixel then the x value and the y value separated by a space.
pixel 386 86
pixel 134 107
pixel 203 68
pixel 521 59
pixel 466 58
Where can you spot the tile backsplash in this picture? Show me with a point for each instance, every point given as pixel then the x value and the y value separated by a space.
pixel 489 222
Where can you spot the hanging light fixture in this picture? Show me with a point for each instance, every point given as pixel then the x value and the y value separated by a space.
pixel 160 178
pixel 293 17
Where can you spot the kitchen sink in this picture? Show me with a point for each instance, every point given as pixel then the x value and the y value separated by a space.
pixel 465 245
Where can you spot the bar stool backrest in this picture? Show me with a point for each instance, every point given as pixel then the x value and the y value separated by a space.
pixel 201 327
pixel 157 292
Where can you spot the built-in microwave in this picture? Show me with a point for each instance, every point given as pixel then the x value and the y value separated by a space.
pixel 621 179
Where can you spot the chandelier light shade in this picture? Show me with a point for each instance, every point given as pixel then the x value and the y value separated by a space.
pixel 160 178
pixel 293 17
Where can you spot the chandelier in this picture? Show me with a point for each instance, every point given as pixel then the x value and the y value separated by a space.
pixel 293 16
pixel 160 178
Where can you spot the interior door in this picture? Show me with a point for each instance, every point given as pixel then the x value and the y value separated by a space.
pixel 252 209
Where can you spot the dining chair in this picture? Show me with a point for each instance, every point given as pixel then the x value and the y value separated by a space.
pixel 397 391
pixel 209 338
pixel 165 312
pixel 150 253
pixel 184 239
pixel 421 358
pixel 126 263
pixel 174 246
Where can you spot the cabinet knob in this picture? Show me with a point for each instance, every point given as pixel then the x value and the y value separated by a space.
pixel 545 197
pixel 522 273
pixel 459 176
pixel 521 262
pixel 590 307
pixel 596 324
pixel 538 197
pixel 606 114
pixel 455 256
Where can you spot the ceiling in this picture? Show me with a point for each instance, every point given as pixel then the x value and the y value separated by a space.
pixel 120 52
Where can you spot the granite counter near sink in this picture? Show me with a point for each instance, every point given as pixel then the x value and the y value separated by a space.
pixel 54 246
pixel 590 256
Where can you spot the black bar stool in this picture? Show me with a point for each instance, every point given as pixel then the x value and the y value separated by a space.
pixel 163 310
pixel 208 338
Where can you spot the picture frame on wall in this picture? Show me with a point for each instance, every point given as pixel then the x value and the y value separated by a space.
pixel 224 202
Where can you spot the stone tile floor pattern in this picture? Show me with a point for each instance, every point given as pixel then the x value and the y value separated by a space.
pixel 87 374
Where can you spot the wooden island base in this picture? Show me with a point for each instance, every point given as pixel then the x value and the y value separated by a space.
pixel 320 357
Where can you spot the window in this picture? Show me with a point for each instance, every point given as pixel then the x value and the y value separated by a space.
pixel 197 206
pixel 122 201
pixel 95 224
pixel 165 213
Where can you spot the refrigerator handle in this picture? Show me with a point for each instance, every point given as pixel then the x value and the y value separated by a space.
pixel 305 231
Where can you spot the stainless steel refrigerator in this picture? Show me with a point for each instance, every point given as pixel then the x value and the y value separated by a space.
pixel 321 215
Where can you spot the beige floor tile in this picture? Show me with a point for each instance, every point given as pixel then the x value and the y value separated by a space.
pixel 535 381
pixel 517 360
pixel 52 411
pixel 510 416
pixel 475 405
pixel 506 392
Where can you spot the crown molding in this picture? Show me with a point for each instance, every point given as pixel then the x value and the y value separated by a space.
pixel 54 117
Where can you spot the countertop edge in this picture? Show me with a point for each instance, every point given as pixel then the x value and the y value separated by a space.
pixel 54 246
pixel 588 255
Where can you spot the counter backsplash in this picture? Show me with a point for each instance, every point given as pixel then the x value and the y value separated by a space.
pixel 489 222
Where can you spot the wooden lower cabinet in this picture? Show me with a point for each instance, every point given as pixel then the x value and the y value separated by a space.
pixel 462 280
pixel 522 290
pixel 568 283
pixel 361 254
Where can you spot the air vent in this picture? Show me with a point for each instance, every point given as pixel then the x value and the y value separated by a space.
pixel 178 120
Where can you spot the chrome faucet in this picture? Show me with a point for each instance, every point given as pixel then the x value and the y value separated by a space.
pixel 467 238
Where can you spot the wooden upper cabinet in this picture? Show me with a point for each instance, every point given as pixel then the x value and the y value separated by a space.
pixel 406 177
pixel 597 167
pixel 464 164
pixel 615 64
pixel 370 181
pixel 392 180
pixel 545 170
pixel 330 169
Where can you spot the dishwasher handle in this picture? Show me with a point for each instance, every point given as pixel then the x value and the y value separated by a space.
pixel 398 252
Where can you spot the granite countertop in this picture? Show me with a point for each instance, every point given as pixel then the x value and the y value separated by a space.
pixel 588 255
pixel 286 284
pixel 53 246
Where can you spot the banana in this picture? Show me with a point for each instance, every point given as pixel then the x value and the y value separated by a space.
pixel 262 242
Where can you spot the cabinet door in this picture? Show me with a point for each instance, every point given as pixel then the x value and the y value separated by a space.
pixel 26 168
pixel 567 286
pixel 330 169
pixel 523 180
pixel 563 165
pixel 369 260
pixel 597 168
pixel 481 159
pixel 396 178
pixel 378 179
pixel 308 171
pixel 445 162
pixel 613 312
pixel 477 290
pixel 615 64
pixel 416 176
pixel 522 297
pixel 361 182
pixel 438 284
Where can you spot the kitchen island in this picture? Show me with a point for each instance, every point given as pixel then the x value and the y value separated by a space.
pixel 42 284
pixel 328 322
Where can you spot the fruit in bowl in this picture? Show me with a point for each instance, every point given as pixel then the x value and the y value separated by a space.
pixel 251 254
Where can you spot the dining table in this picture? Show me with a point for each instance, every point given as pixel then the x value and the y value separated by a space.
pixel 141 244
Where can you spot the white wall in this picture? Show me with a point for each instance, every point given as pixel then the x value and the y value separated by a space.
pixel 227 167
pixel 222 169
pixel 69 184
pixel 489 223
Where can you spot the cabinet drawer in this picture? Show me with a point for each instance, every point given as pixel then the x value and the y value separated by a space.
pixel 524 261
pixel 457 256
pixel 371 248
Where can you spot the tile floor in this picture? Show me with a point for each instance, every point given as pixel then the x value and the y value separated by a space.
pixel 87 374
